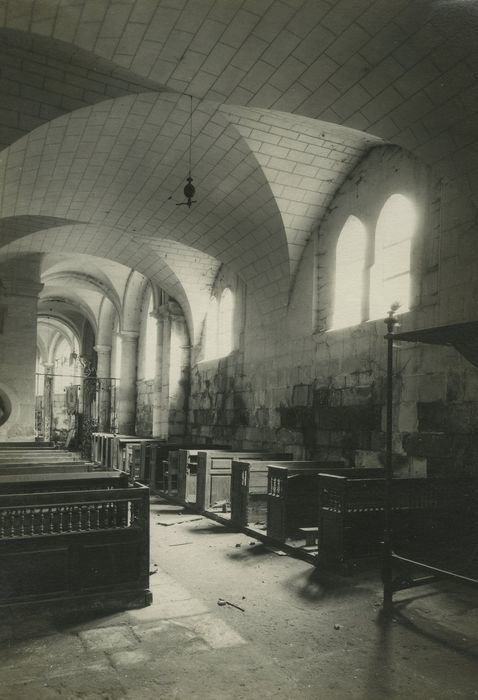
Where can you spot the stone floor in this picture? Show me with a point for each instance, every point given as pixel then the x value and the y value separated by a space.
pixel 300 634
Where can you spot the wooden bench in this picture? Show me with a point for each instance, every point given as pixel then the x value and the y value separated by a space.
pixel 293 493
pixel 132 458
pixel 214 473
pixel 54 481
pixel 187 470
pixel 57 468
pixel 83 546
pixel 429 516
pixel 102 449
pixel 145 457
pixel 164 468
pixel 35 457
pixel 249 492
pixel 311 536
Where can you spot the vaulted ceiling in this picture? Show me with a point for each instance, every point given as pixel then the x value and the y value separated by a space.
pixel 287 97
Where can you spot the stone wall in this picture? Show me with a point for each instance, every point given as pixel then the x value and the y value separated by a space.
pixel 144 407
pixel 298 385
pixel 18 348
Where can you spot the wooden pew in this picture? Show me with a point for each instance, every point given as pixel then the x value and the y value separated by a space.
pixel 292 495
pixel 123 450
pixel 430 517
pixel 25 445
pixel 54 481
pixel 41 456
pixel 187 461
pixel 248 492
pixel 187 470
pixel 101 449
pixel 214 473
pixel 80 546
pixel 164 466
pixel 145 458
pixel 132 461
pixel 57 468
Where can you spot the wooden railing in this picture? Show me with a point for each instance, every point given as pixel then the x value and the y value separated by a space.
pixel 66 514
pixel 74 544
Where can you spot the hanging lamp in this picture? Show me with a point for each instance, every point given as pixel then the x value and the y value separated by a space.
pixel 189 189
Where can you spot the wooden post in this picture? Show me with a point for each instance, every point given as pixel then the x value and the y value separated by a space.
pixel 387 576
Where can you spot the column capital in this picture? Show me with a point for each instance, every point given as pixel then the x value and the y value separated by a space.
pixel 166 311
pixel 23 288
pixel 128 335
pixel 102 348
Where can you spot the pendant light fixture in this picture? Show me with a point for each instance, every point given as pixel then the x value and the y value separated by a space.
pixel 189 189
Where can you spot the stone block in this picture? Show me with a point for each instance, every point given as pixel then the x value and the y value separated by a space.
pixel 407 417
pixel 302 395
pixel 437 416
pixel 403 465
pixel 428 444
pixel 108 638
pixel 368 459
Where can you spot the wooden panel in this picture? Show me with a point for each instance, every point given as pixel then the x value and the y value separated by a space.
pixel 430 517
pixel 293 495
pixel 214 474
pixel 68 545
pixel 109 563
pixel 33 571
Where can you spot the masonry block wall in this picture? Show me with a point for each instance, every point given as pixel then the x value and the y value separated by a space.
pixel 299 385
pixel 144 407
pixel 18 348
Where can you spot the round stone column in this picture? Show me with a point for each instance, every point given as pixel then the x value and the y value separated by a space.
pixel 47 400
pixel 103 374
pixel 127 385
pixel 161 383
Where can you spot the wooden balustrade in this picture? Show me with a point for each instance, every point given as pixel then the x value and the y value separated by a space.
pixel 90 543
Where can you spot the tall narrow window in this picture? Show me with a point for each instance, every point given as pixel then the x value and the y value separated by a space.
pixel 226 326
pixel 390 274
pixel 40 376
pixel 175 364
pixel 65 371
pixel 211 349
pixel 349 274
pixel 116 355
pixel 148 341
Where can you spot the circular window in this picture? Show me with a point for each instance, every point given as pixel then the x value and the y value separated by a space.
pixel 5 407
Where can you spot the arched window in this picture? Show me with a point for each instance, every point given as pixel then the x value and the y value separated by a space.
pixel 116 353
pixel 148 340
pixel 219 340
pixel 349 274
pixel 64 369
pixel 175 364
pixel 390 274
pixel 225 325
pixel 40 376
pixel 211 347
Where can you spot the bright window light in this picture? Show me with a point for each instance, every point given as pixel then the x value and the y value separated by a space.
pixel 211 348
pixel 149 342
pixel 390 274
pixel 349 274
pixel 175 361
pixel 226 317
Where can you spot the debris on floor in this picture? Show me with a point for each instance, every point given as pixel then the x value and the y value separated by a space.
pixel 179 544
pixel 223 602
pixel 275 550
pixel 223 506
pixel 177 522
